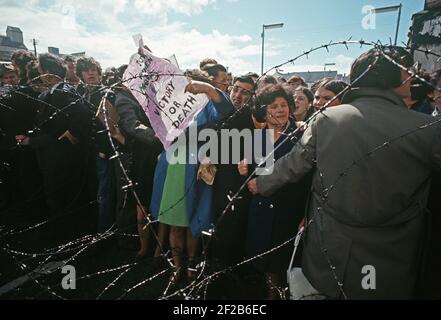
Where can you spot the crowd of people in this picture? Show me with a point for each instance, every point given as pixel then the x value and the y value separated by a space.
pixel 65 125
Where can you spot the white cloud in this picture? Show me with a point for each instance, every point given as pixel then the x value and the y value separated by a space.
pixel 188 7
pixel 192 46
pixel 108 36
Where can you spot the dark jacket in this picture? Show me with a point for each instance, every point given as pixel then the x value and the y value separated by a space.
pixel 134 123
pixel 62 109
pixel 92 97
pixel 18 109
pixel 369 196
pixel 143 145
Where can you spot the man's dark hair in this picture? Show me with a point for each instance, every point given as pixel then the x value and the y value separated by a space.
pixel 252 75
pixel 52 64
pixel 265 80
pixel 32 72
pixel 87 63
pixel 70 58
pixel 245 79
pixel 383 74
pixel 21 58
pixel 281 80
pixel 6 68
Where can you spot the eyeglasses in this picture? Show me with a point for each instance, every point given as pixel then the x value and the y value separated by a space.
pixel 240 90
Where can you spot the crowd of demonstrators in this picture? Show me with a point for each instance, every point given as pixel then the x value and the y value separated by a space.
pixel 65 122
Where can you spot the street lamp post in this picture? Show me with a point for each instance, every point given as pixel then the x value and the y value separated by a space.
pixel 392 9
pixel 326 65
pixel 266 27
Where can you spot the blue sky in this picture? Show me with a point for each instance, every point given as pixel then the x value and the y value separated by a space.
pixel 228 30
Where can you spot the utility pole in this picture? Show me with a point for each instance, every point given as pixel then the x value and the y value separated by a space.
pixel 34 43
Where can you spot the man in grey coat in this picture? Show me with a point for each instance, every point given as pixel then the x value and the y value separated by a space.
pixel 373 160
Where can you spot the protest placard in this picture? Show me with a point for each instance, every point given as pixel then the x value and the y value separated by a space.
pixel 159 86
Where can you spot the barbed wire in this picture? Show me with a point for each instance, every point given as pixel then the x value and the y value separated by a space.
pixel 130 186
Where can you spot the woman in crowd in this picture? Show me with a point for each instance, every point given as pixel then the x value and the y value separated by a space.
pixel 218 76
pixel 303 98
pixel 326 91
pixel 180 199
pixel 274 220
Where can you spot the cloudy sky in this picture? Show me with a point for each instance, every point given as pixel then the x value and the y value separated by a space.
pixel 228 30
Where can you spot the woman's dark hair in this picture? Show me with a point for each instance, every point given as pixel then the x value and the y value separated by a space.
pixel 32 72
pixel 383 74
pixel 207 61
pixel 308 93
pixel 52 64
pixel 87 63
pixel 318 84
pixel 198 75
pixel 266 95
pixel 295 79
pixel 214 69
